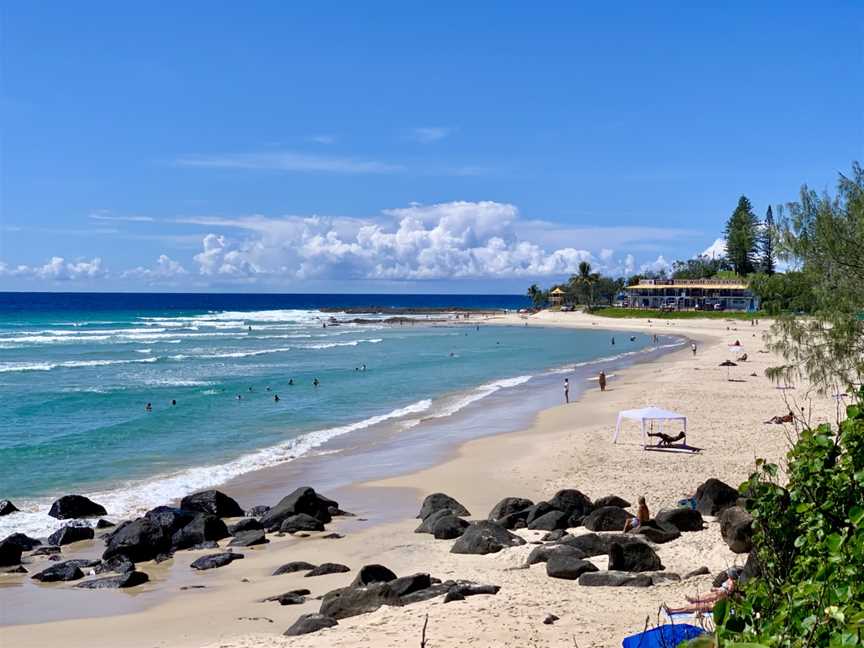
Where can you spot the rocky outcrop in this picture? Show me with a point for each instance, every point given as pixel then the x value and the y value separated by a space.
pixel 328 568
pixel 246 524
pixel 292 567
pixel 438 501
pixel 139 540
pixel 204 527
pixel 615 579
pixel 736 527
pixel 684 519
pixel 301 522
pixel 428 523
pixel 310 623
pixel 351 601
pixel 606 518
pixel 119 564
pixel 7 508
pixel 213 502
pixel 485 537
pixel 215 560
pixel 594 544
pixel 370 574
pixel 248 539
pixel 714 496
pixel 542 553
pixel 10 553
pixel 25 542
pixel 69 534
pixel 611 500
pixel 567 567
pixel 121 581
pixel 633 557
pixel 448 527
pixel 550 521
pixel 61 571
pixel 303 500
pixel 572 502
pixel 508 506
pixel 75 506
pixel 657 534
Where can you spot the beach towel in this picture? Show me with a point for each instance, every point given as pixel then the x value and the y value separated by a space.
pixel 666 636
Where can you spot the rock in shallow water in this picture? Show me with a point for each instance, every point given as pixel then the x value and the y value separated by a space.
pixel 63 571
pixel 121 581
pixel 213 502
pixel 69 534
pixel 7 507
pixel 10 553
pixel 24 541
pixel 75 506
pixel 215 560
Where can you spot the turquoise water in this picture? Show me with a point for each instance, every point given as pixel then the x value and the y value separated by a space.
pixel 74 386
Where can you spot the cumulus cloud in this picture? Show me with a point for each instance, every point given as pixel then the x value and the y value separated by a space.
pixel 658 265
pixel 57 269
pixel 716 250
pixel 165 268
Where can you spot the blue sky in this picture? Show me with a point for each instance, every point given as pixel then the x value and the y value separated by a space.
pixel 405 147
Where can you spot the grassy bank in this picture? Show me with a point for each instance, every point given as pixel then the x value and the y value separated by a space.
pixel 677 315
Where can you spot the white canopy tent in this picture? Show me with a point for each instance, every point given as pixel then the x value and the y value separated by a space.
pixel 647 415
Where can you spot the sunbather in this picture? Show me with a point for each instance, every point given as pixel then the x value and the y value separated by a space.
pixel 642 516
pixel 741 358
pixel 705 603
pixel 666 440
pixel 780 420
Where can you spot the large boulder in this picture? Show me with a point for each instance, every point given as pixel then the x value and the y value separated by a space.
pixel 736 527
pixel 69 534
pixel 683 518
pixel 61 571
pixel 310 623
pixel 213 502
pixel 656 533
pixel 714 495
pixel 407 585
pixel 567 567
pixel 533 512
pixel 120 581
pixel 633 557
pixel 550 521
pixel 7 507
pixel 369 574
pixel 594 544
pixel 292 567
pixel 75 506
pixel 611 500
pixel 139 540
pixel 170 518
pixel 204 527
pixel 215 560
pixel 118 564
pixel 10 552
pixel 509 506
pixel 449 527
pixel 351 601
pixel 301 522
pixel 438 501
pixel 302 500
pixel 542 553
pixel 615 579
pixel 429 521
pixel 485 537
pixel 573 502
pixel 249 539
pixel 606 518
pixel 246 524
pixel 25 542
pixel 328 568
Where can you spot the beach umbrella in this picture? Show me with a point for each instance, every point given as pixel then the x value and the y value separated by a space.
pixel 727 364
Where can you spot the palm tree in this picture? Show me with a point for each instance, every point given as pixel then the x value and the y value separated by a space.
pixel 536 295
pixel 587 279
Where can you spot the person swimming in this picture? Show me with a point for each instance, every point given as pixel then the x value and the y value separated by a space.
pixel 148 407
pixel 632 338
pixel 275 398
pixel 290 381
pixel 173 402
pixel 613 341
pixel 363 367
pixel 315 382
pixel 250 389
pixel 239 396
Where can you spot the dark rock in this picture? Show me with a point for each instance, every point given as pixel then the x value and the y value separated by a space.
pixel 257 511
pixel 633 557
pixel 485 537
pixel 572 502
pixel 335 511
pixel 684 519
pixel 248 539
pixel 47 550
pixel 714 495
pixel 163 557
pixel 170 518
pixel 302 500
pixel 615 579
pixel 438 501
pixel 204 546
pixel 554 536
pixel 351 601
pixel 607 518
pixel 428 523
pixel 102 523
pixel 567 567
pixel 69 534
pixel 290 597
pixel 593 544
pixel 664 577
pixel 533 512
pixel 310 623
pixel 203 527
pixel 333 536
pixel 509 506
pixel 543 552
pixel 550 619
pixel 328 568
pixel 121 581
pixel 10 553
pixel 751 569
pixel 16 570
pixel 449 527
pixel 656 534
pixel 369 574
pixel 25 542
pixel 120 564
pixel 215 560
pixel 213 502
pixel 291 567
pixel 62 571
pixel 611 500
pixel 85 563
pixel 736 527
pixel 75 506
pixel 549 521
pixel 701 571
pixel 246 524
pixel 301 522
pixel 453 595
pixel 7 507
pixel 433 591
pixel 406 585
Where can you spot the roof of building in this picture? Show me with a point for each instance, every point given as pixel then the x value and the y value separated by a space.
pixel 704 284
pixel 557 291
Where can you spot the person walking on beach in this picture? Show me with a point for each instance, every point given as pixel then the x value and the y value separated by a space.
pixel 693 348
pixel 602 380
pixel 566 391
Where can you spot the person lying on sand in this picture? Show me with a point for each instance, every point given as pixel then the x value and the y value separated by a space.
pixel 780 420
pixel 741 358
pixel 666 440
pixel 705 603
pixel 642 516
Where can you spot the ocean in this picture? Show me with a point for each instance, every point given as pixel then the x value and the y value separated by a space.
pixel 77 372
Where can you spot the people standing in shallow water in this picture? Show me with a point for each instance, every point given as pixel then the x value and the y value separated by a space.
pixel 613 341
pixel 601 379
pixel 566 390
pixel 148 407
pixel 290 381
pixel 315 382
pixel 276 398
pixel 173 402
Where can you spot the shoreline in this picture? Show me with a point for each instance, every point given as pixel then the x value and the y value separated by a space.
pixel 518 454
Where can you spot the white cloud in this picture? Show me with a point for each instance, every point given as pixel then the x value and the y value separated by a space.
pixel 286 161
pixel 322 139
pixel 430 134
pixel 166 268
pixel 57 269
pixel 658 265
pixel 101 216
pixel 716 250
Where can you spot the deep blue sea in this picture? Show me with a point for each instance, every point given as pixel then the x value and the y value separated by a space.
pixel 78 370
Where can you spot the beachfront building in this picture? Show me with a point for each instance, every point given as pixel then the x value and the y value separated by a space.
pixel 556 297
pixel 692 294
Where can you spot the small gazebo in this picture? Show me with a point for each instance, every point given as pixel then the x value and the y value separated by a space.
pixel 556 297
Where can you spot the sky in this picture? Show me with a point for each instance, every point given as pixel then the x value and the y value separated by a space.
pixel 408 146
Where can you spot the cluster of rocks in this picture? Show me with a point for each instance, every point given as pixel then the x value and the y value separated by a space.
pixel 373 586
pixel 198 523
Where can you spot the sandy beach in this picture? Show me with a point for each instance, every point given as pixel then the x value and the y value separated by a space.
pixel 566 447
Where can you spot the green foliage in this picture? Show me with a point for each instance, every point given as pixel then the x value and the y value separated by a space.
pixel 741 237
pixel 789 292
pixel 767 244
pixel 538 297
pixel 581 286
pixel 701 267
pixel 808 545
